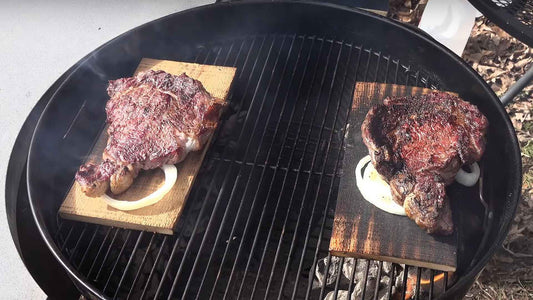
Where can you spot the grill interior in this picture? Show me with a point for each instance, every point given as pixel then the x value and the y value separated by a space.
pixel 258 220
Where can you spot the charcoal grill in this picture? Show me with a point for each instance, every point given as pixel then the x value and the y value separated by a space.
pixel 259 217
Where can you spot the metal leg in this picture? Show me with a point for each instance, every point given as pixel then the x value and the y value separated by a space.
pixel 517 87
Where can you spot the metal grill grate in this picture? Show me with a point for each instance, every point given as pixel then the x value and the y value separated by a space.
pixel 258 220
pixel 514 16
pixel 521 9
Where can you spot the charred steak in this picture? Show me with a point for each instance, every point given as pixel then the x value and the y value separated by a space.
pixel 154 118
pixel 418 144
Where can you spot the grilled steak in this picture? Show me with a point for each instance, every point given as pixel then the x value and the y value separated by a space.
pixel 154 118
pixel 418 144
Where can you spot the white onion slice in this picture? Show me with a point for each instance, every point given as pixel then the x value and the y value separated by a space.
pixel 468 179
pixel 171 174
pixel 374 189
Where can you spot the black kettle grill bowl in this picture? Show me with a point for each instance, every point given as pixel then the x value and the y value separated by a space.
pixel 262 188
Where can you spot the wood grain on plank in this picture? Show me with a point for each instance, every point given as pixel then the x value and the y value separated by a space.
pixel 362 230
pixel 162 216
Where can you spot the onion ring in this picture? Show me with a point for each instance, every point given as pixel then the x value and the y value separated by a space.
pixel 376 192
pixel 171 175
pixel 468 178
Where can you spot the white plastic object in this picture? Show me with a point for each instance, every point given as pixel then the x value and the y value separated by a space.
pixel 450 22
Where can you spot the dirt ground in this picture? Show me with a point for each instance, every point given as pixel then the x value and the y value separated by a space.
pixel 500 60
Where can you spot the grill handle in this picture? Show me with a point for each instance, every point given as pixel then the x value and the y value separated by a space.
pixel 516 88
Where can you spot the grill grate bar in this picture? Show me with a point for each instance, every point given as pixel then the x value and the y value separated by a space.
pixel 306 189
pixel 336 293
pixel 59 228
pixel 238 176
pixel 324 282
pixel 366 279
pixel 107 254
pixel 99 251
pixel 141 265
pixel 322 226
pixel 152 271
pixel 171 258
pixel 226 181
pixel 387 69
pixel 396 72
pixel 404 280
pixel 369 261
pixel 247 115
pixel 274 167
pixel 378 64
pixel 125 271
pixel 391 281
pixel 307 237
pixel 378 279
pixel 271 147
pixel 176 243
pixel 445 281
pixel 418 276
pixel 352 276
pixel 67 238
pixel 431 283
pixel 223 222
pixel 195 228
pixel 248 55
pixel 417 78
pixel 116 261
pixel 285 176
pixel 75 249
pixel 255 196
pixel 367 67
pixel 89 246
pixel 80 265
pixel 239 72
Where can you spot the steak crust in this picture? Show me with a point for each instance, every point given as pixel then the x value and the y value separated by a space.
pixel 418 145
pixel 154 119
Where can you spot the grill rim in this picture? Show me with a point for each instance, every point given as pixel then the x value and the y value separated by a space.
pixel 514 181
